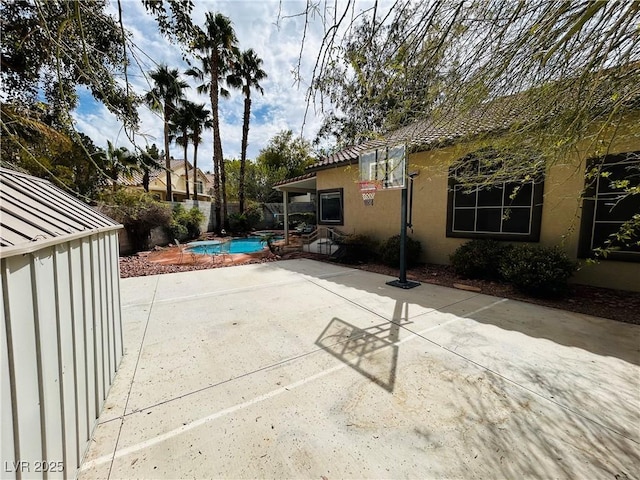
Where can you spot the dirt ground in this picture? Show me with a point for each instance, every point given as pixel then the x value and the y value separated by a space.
pixel 617 305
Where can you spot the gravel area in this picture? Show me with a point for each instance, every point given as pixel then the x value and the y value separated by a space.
pixel 617 305
pixel 153 263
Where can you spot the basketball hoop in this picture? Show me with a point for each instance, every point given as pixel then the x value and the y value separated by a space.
pixel 368 190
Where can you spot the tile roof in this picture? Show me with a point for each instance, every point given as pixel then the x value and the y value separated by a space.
pixel 295 179
pixel 491 116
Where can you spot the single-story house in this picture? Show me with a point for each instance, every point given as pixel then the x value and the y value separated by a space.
pixel 158 182
pixel 557 206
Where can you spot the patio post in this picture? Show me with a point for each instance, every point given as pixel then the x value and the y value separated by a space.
pixel 285 199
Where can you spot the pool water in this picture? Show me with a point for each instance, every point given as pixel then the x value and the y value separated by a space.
pixel 237 245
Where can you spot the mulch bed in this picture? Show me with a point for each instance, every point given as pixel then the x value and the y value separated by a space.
pixel 617 305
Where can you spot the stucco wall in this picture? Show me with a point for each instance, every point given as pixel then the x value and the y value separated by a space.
pixel 560 223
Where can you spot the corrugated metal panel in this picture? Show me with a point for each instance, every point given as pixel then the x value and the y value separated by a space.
pixel 7 446
pixel 60 351
pixel 61 323
pixel 33 210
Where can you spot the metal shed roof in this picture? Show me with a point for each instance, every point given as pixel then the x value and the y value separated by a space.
pixel 34 214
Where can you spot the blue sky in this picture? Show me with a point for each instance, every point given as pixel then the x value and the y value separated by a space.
pixel 276 41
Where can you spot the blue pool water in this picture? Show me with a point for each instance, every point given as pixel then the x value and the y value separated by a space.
pixel 237 245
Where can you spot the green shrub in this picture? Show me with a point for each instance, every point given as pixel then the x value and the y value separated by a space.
pixel 178 231
pixel 246 221
pixel 356 249
pixel 479 259
pixel 390 251
pixel 185 225
pixel 137 211
pixel 539 271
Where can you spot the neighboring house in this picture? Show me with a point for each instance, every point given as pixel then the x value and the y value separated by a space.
pixel 551 210
pixel 158 185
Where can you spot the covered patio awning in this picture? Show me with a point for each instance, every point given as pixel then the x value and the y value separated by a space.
pixel 301 184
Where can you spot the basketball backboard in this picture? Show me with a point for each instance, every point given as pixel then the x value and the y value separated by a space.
pixel 387 165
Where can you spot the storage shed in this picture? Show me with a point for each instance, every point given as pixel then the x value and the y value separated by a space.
pixel 61 325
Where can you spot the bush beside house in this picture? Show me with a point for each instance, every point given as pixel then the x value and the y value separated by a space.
pixel 479 259
pixel 532 269
pixel 390 251
pixel 538 271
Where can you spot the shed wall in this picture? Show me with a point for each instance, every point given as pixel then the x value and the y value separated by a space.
pixel 61 347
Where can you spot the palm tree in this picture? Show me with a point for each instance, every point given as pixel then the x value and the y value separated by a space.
pixel 119 162
pixel 149 161
pixel 179 125
pixel 246 74
pixel 163 97
pixel 215 44
pixel 200 120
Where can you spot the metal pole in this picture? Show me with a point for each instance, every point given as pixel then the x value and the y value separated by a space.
pixel 402 281
pixel 403 237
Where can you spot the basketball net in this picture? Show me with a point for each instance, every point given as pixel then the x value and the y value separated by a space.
pixel 368 189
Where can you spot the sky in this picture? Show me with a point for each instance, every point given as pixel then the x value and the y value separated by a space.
pixel 261 25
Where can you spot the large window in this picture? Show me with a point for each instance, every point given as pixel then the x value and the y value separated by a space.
pixel 485 202
pixel 607 206
pixel 330 207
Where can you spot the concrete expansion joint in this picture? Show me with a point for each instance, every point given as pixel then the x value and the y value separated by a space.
pixel 219 293
pixel 133 377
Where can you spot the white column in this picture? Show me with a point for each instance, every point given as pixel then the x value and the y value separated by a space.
pixel 285 199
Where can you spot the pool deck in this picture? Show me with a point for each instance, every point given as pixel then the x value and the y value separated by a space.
pixel 303 369
pixel 172 255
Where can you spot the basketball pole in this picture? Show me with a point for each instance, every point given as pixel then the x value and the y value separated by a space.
pixel 402 281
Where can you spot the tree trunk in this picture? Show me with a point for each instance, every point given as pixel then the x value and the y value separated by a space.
pixel 223 184
pixel 245 142
pixel 145 180
pixel 217 145
pixel 167 157
pixel 195 170
pixel 186 164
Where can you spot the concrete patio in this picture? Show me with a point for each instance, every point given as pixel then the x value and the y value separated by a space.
pixel 302 369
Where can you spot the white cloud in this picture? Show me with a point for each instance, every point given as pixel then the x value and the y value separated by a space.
pixel 255 26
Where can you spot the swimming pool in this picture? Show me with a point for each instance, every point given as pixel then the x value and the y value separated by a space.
pixel 236 245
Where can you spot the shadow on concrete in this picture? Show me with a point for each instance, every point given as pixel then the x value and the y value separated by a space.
pixel 594 426
pixel 599 336
pixel 503 429
pixel 356 347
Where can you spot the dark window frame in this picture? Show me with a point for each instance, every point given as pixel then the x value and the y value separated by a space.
pixel 535 213
pixel 320 193
pixel 588 215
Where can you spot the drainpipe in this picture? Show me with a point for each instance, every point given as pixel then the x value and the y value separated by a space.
pixel 285 199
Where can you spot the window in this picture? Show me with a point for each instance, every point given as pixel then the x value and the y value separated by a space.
pixel 330 207
pixel 199 186
pixel 483 204
pixel 606 207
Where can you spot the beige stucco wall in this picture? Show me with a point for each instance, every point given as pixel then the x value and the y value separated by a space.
pixel 560 223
